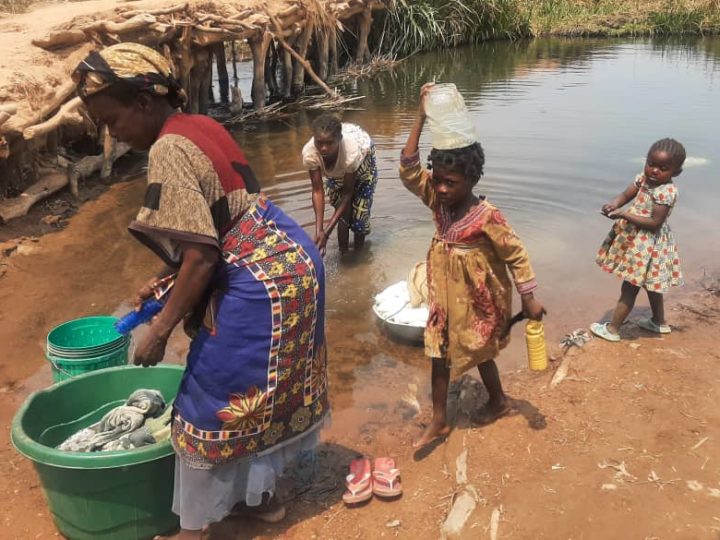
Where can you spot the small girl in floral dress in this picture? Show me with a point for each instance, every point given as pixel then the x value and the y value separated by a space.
pixel 640 247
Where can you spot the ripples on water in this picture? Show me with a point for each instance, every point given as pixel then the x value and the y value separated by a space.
pixel 563 124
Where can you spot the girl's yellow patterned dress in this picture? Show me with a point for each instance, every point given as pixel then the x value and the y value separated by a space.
pixel 469 287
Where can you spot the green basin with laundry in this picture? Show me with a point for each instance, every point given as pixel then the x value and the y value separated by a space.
pixel 115 495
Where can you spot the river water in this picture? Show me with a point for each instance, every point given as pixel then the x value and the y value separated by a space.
pixel 565 125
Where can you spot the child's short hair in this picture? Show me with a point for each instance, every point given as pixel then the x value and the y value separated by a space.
pixel 328 123
pixel 468 161
pixel 673 148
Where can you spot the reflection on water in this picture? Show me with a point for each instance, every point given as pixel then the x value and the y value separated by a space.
pixel 564 124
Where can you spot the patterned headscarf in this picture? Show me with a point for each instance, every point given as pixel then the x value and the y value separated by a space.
pixel 132 63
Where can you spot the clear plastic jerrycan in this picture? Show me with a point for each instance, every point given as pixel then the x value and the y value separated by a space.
pixel 450 123
pixel 535 339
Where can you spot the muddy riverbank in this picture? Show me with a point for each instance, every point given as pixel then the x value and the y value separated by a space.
pixel 625 446
pixel 565 125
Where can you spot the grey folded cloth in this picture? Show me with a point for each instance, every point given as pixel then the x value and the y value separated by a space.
pixel 152 431
pixel 120 428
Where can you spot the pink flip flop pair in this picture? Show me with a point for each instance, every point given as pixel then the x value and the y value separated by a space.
pixel 362 482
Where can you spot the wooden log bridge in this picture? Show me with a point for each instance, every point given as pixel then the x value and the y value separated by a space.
pixel 192 35
pixel 290 42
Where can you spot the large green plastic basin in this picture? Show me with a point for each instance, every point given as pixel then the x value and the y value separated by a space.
pixel 124 495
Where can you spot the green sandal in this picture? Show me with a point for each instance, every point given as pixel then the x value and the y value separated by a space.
pixel 652 326
pixel 601 331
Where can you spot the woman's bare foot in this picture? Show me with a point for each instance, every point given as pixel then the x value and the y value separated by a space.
pixel 433 431
pixel 358 241
pixel 271 516
pixel 488 413
pixel 271 511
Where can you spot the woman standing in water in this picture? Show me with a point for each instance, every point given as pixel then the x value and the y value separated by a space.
pixel 344 155
pixel 254 390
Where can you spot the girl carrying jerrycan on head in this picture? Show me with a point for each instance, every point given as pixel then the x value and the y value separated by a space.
pixel 470 292
pixel 640 247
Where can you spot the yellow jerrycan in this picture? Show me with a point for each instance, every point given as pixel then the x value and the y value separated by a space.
pixel 535 339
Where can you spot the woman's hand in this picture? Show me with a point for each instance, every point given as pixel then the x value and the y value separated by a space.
pixel 151 349
pixel 424 91
pixel 321 239
pixel 145 292
pixel 194 276
pixel 531 308
pixel 148 289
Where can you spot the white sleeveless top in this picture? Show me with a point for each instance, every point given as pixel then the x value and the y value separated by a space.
pixel 354 146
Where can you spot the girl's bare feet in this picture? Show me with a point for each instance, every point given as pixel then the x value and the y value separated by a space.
pixel 491 411
pixel 435 430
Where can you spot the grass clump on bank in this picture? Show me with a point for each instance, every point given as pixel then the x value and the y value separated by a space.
pixel 420 25
pixel 679 21
pixel 622 17
pixel 416 25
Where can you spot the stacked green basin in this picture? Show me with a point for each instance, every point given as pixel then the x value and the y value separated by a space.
pixel 85 345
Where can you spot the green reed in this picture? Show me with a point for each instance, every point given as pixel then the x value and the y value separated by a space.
pixel 416 25
pixel 680 21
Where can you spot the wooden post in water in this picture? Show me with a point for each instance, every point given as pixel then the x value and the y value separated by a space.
pixel 211 92
pixel 333 62
pixel 223 79
pixel 234 64
pixel 271 62
pixel 363 52
pixel 307 67
pixel 205 81
pixel 322 37
pixel 259 45
pixel 184 61
pixel 286 72
pixel 298 81
pixel 199 82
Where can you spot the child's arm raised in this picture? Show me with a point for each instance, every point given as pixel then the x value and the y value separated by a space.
pixel 411 146
pixel 622 199
pixel 412 174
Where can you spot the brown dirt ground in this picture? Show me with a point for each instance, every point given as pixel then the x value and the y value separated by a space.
pixel 552 469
